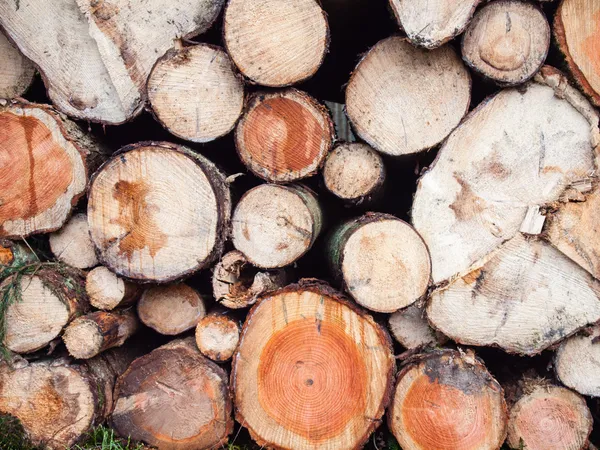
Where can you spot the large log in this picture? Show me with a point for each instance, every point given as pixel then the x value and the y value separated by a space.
pixel 95 57
pixel 577 362
pixel 175 399
pixel 134 199
pixel 72 243
pixel 107 291
pixel 16 72
pixel 311 371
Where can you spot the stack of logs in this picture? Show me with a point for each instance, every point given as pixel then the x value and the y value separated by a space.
pixel 501 247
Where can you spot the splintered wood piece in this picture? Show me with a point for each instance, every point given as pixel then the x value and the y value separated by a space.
pixel 311 371
pixel 107 291
pixel 383 262
pixel 507 41
pixel 549 418
pixel 284 135
pixel 72 243
pixel 171 309
pixel 44 170
pixel 276 42
pixel 386 102
pixel 175 399
pixel 16 72
pixel 501 161
pixel 158 211
pixel 410 328
pixel 525 297
pixel 41 305
pixel 195 92
pixel 431 24
pixel 273 225
pixel 448 400
pixel 89 335
pixel 577 362
pixel 577 31
pixel 95 57
pixel 354 172
pixel 217 336
pixel 237 284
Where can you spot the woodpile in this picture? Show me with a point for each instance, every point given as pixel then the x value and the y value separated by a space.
pixel 301 224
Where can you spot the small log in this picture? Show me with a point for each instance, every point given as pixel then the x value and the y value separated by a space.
pixel 108 291
pixel 171 309
pixel 382 261
pixel 16 73
pixel 276 43
pixel 448 399
pixel 175 399
pixel 130 212
pixel 305 374
pixel 45 171
pixel 217 336
pixel 72 243
pixel 386 102
pixel 354 172
pixel 237 284
pixel 411 329
pixel 577 362
pixel 507 41
pixel 58 403
pixel 195 92
pixel 577 32
pixel 273 226
pixel 89 335
pixel 430 25
pixel 549 417
pixel 40 303
pixel 284 135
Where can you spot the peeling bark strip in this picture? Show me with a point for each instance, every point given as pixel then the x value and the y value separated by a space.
pixel 175 399
pixel 107 291
pixel 507 41
pixel 276 42
pixel 72 243
pixel 577 30
pixel 217 336
pixel 95 55
pixel 312 371
pixel 388 106
pixel 448 400
pixel 16 71
pixel 577 362
pixel 284 136
pixel 158 211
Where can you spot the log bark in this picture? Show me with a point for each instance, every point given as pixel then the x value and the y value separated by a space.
pixel 430 25
pixel 306 374
pixel 95 57
pixel 237 284
pixel 40 303
pixel 274 42
pixel 381 260
pixel 577 32
pixel 354 172
pixel 448 399
pixel 195 92
pixel 577 362
pixel 73 245
pixel 386 102
pixel 507 41
pixel 108 291
pixel 171 309
pixel 16 73
pixel 14 254
pixel 46 171
pixel 175 399
pixel 217 336
pixel 284 135
pixel 90 335
pixel 549 417
pixel 273 226
pixel 411 329
pixel 58 402
pixel 130 212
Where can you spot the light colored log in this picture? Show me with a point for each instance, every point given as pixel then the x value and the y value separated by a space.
pixel 577 362
pixel 107 291
pixel 217 336
pixel 16 72
pixel 410 327
pixel 72 243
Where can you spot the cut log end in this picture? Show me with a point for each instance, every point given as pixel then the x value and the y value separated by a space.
pixel 195 93
pixel 507 41
pixel 16 72
pixel 410 328
pixel 275 42
pixel 107 291
pixel 448 400
pixel 577 362
pixel 284 136
pixel 217 336
pixel 72 243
